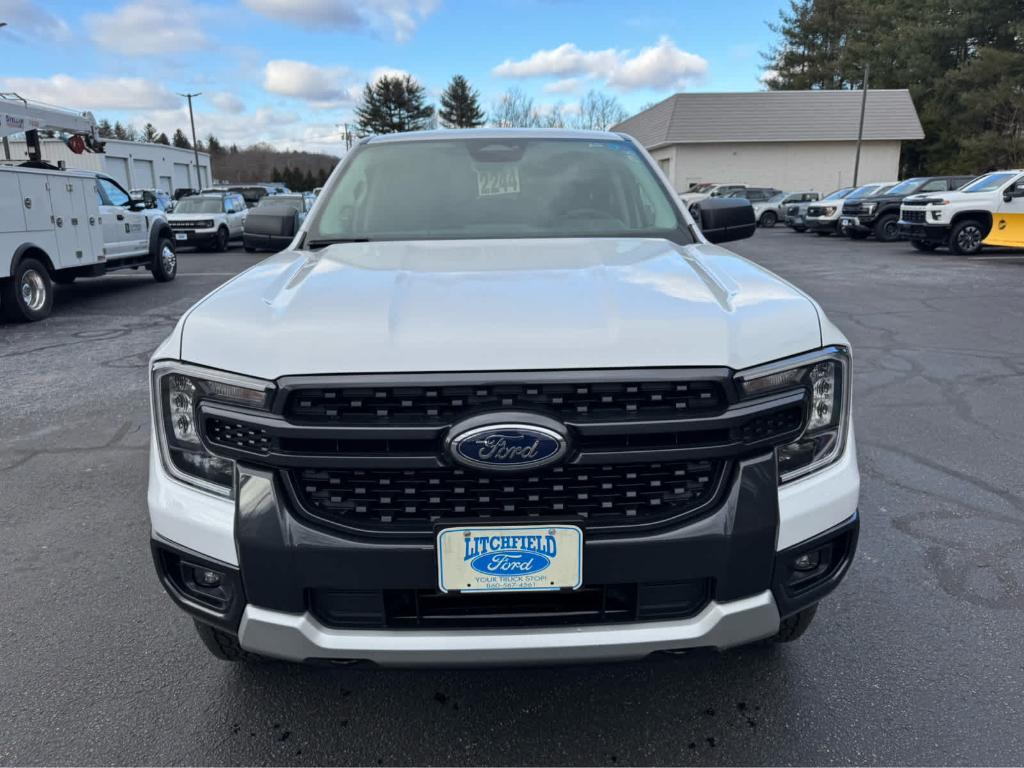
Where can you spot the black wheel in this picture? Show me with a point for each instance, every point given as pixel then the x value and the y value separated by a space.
pixel 924 246
pixel 222 645
pixel 855 235
pixel 27 295
pixel 164 265
pixel 966 237
pixel 792 627
pixel 887 228
pixel 800 229
pixel 63 278
pixel 221 243
pixel 769 219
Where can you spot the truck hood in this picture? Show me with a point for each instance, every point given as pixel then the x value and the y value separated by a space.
pixel 475 305
pixel 923 198
pixel 172 217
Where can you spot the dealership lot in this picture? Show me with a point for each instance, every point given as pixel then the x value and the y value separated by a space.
pixel 916 659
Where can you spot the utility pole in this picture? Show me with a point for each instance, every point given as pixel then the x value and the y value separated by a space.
pixel 195 149
pixel 860 131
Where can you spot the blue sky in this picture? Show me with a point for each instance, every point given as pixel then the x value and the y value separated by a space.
pixel 288 71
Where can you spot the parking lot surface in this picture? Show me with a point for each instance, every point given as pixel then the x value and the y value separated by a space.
pixel 916 659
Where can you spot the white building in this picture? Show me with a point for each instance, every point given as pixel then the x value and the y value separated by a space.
pixel 134 164
pixel 792 140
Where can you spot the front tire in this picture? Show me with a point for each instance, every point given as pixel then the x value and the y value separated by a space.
pixel 887 228
pixel 769 219
pixel 27 296
pixel 965 238
pixel 924 246
pixel 221 243
pixel 164 265
pixel 800 229
pixel 222 645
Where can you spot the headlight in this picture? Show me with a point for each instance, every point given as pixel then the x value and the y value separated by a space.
pixel 177 392
pixel 829 210
pixel 826 377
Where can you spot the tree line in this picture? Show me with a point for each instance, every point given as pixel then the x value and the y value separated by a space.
pixel 962 60
pixel 397 103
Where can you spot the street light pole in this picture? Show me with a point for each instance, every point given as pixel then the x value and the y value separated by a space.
pixel 860 131
pixel 195 149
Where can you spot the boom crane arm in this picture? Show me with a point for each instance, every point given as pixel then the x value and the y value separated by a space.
pixel 19 115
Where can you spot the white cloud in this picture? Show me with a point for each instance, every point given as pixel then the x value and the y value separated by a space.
pixel 564 60
pixel 322 86
pixel 399 17
pixel 568 85
pixel 27 21
pixel 227 102
pixel 125 93
pixel 149 29
pixel 660 66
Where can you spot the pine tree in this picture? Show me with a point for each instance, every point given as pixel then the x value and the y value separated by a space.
pixel 119 131
pixel 460 105
pixel 308 182
pixel 149 133
pixel 162 139
pixel 213 146
pixel 180 140
pixel 105 129
pixel 392 105
pixel 275 175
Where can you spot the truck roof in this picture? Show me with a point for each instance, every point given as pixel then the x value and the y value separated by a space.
pixel 495 133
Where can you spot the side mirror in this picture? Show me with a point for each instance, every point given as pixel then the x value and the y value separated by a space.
pixel 1015 191
pixel 723 219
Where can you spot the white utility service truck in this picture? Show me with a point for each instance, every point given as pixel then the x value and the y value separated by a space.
pixel 57 225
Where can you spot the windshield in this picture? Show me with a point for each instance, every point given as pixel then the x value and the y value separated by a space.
pixel 989 183
pixel 200 205
pixel 496 188
pixel 907 186
pixel 870 189
pixel 839 194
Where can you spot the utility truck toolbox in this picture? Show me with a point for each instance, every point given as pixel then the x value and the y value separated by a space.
pixel 529 414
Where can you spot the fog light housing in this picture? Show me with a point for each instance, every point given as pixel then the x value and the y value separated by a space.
pixel 808 561
pixel 206 577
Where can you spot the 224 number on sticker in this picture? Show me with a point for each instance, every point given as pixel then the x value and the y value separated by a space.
pixel 499 180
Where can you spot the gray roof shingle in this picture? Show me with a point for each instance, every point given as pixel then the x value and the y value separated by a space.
pixel 694 118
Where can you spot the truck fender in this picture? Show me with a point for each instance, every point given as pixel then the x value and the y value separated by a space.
pixel 984 217
pixel 160 228
pixel 30 249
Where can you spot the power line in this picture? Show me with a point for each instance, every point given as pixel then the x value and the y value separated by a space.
pixel 195 144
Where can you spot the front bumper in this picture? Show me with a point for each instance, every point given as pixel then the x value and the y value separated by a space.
pixel 193 236
pixel 928 233
pixel 300 637
pixel 823 225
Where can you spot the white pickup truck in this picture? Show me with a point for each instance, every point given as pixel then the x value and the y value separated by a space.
pixel 525 413
pixel 986 211
pixel 58 225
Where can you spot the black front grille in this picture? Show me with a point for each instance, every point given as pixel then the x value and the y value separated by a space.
pixel 234 434
pixel 579 401
pixel 416 499
pixel 425 608
pixel 192 224
pixel 853 209
pixel 917 217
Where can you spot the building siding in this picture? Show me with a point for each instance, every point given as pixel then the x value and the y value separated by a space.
pixel 789 166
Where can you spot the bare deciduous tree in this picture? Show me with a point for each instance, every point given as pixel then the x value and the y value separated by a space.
pixel 599 112
pixel 515 110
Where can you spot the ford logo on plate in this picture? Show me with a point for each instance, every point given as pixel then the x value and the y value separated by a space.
pixel 509 563
pixel 506 447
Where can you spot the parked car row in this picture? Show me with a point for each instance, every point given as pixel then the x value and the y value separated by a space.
pixel 215 217
pixel 962 213
pixel 769 203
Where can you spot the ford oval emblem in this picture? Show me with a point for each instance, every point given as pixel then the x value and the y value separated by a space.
pixel 509 562
pixel 506 447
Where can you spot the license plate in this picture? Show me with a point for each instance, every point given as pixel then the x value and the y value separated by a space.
pixel 180 236
pixel 510 558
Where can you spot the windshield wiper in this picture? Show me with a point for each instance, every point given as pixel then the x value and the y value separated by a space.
pixel 336 241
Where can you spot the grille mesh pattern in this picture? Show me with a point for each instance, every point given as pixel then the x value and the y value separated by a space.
pixel 585 400
pixel 918 217
pixel 231 434
pixel 625 493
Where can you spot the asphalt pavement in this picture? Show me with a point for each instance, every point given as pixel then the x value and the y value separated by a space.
pixel 917 658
